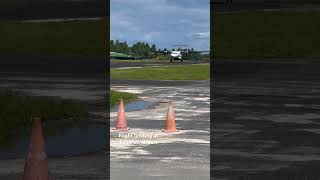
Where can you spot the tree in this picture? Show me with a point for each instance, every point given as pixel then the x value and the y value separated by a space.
pixel 138 48
pixel 126 48
pixel 153 48
pixel 111 45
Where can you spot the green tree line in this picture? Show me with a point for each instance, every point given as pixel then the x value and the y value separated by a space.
pixel 143 49
pixel 138 49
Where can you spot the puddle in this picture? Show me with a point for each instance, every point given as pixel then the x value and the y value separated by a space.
pixel 134 106
pixel 66 141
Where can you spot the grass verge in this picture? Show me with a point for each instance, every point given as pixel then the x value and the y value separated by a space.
pixel 115 97
pixel 178 72
pixel 17 110
pixel 119 55
pixel 284 34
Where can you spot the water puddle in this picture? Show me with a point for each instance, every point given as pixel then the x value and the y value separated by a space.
pixel 61 140
pixel 134 106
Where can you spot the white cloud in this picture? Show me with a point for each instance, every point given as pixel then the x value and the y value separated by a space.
pixel 201 35
pixel 151 36
pixel 160 22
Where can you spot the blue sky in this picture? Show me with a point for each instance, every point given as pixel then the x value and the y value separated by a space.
pixel 162 22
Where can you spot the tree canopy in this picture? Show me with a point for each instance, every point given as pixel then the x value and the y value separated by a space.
pixel 138 49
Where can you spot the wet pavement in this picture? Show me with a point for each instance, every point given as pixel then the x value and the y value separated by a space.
pixel 145 152
pixel 266 120
pixel 134 106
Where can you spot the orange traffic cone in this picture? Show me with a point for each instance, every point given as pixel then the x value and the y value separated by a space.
pixel 171 120
pixel 36 164
pixel 121 118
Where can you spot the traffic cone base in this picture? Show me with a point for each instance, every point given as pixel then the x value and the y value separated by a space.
pixel 121 129
pixel 169 131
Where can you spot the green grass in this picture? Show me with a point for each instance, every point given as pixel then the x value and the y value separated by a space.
pixel 74 38
pixel 121 55
pixel 18 109
pixel 130 60
pixel 178 72
pixel 139 60
pixel 255 34
pixel 115 97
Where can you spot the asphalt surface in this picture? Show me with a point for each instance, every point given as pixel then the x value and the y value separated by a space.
pixel 266 120
pixel 182 155
pixel 80 79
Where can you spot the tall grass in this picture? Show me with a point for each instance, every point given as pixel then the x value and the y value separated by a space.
pixel 116 96
pixel 18 109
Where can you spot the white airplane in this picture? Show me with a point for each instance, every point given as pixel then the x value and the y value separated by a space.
pixel 178 54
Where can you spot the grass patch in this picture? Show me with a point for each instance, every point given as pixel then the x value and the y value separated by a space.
pixel 75 38
pixel 132 61
pixel 178 72
pixel 119 55
pixel 256 34
pixel 17 110
pixel 115 97
pixel 140 60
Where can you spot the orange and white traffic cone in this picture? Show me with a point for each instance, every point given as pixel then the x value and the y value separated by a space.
pixel 121 118
pixel 36 164
pixel 171 120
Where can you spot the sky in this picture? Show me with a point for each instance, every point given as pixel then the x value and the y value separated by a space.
pixel 161 22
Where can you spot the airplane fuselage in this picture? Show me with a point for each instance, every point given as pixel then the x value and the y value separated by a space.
pixel 176 55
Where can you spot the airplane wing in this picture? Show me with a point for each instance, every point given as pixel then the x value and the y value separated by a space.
pixel 200 51
pixel 195 52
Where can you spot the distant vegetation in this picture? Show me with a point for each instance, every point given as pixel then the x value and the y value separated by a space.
pixel 138 49
pixel 120 55
pixel 290 33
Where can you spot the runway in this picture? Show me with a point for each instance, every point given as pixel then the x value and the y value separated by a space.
pixel 177 156
pixel 266 119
